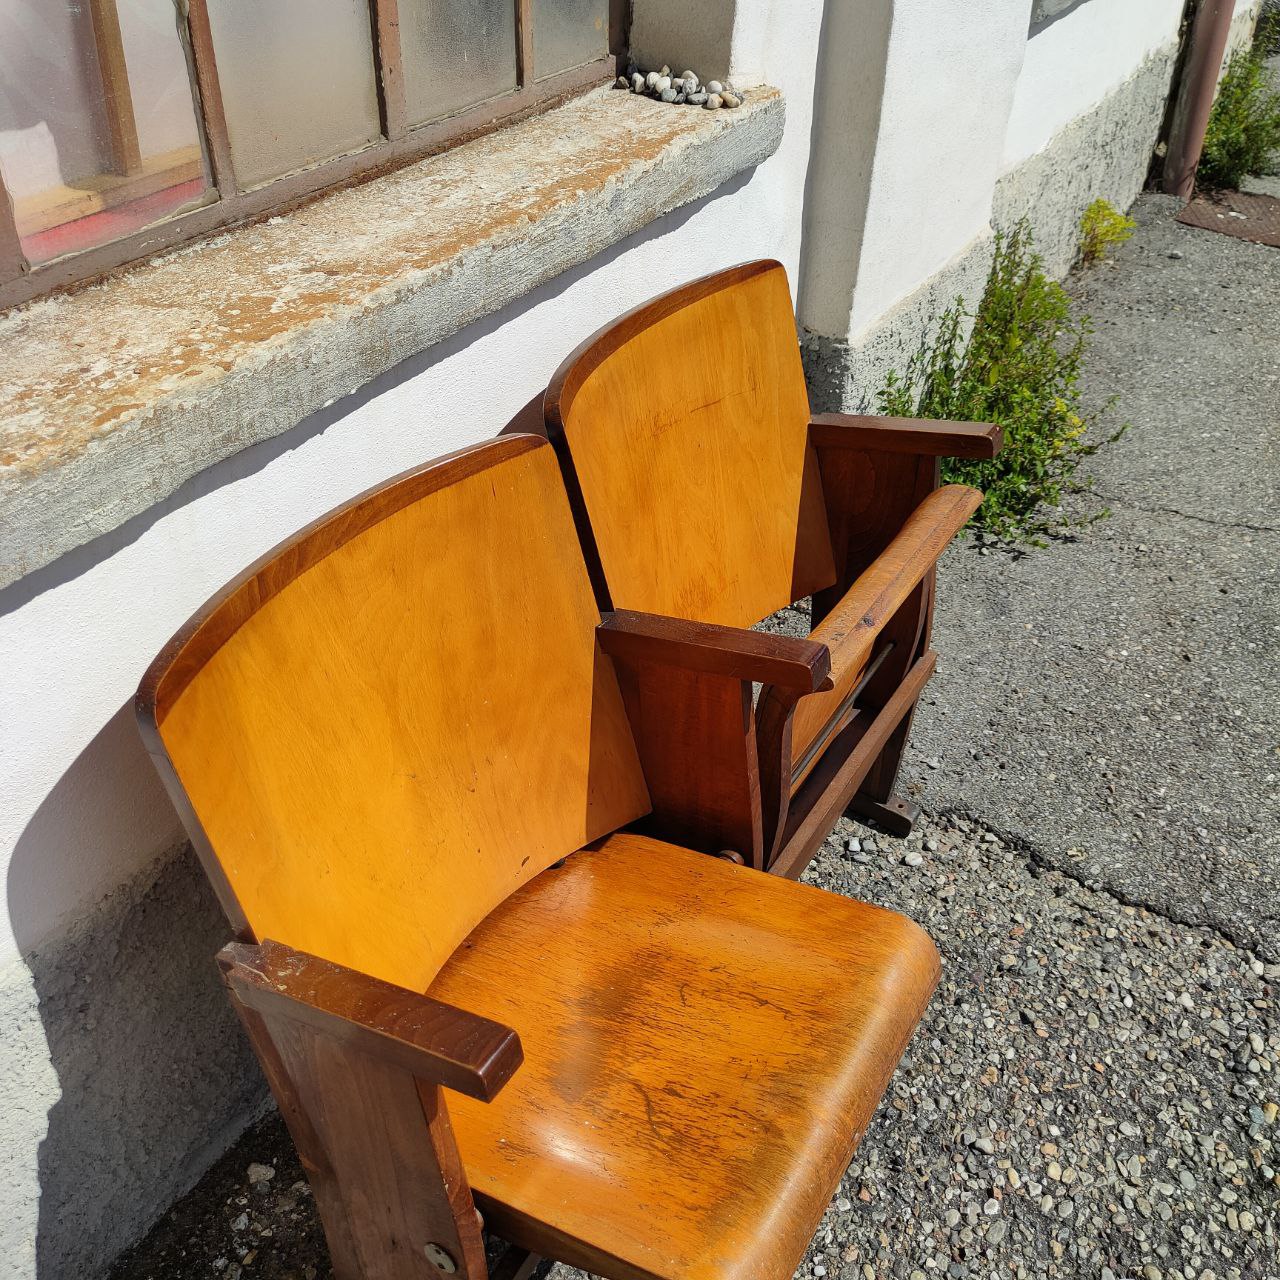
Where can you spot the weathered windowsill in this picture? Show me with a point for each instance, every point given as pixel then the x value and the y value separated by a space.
pixel 114 396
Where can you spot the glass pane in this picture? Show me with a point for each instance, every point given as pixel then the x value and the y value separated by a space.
pixel 98 133
pixel 567 33
pixel 456 53
pixel 297 82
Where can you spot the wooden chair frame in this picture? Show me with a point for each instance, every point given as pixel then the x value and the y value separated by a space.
pixel 359 1065
pixel 888 518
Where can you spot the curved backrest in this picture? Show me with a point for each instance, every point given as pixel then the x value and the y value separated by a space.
pixel 395 719
pixel 683 432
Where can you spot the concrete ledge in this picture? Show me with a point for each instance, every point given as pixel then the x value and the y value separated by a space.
pixel 114 396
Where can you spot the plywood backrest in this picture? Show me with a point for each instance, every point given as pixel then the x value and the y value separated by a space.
pixel 400 716
pixel 683 431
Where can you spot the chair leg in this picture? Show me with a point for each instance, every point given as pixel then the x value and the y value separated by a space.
pixel 875 799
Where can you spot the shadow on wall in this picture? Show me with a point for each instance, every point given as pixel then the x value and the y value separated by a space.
pixel 123 1035
pixel 153 1075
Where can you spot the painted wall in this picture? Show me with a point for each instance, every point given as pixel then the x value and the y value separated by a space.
pixel 1075 62
pixel 124 1076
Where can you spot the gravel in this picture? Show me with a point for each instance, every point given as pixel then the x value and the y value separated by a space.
pixel 1094 1086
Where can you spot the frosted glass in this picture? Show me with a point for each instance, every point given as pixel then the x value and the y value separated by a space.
pixel 456 53
pixel 567 33
pixel 79 175
pixel 297 82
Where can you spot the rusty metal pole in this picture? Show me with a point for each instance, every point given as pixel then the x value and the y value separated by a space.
pixel 1209 30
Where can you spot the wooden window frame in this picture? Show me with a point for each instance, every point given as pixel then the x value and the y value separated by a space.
pixel 228 203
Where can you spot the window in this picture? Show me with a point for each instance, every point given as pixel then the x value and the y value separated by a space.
pixel 129 125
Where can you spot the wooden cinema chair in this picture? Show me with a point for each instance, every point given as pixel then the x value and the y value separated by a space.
pixel 704 489
pixel 405 758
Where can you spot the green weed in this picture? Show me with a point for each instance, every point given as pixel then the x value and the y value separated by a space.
pixel 1020 368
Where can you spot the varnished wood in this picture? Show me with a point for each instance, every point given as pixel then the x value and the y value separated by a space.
pixel 377 1146
pixel 786 661
pixel 836 778
pixel 699 495
pixel 705 1047
pixel 920 436
pixel 851 629
pixel 683 432
pixel 435 1042
pixel 396 787
pixel 362 751
pixel 695 735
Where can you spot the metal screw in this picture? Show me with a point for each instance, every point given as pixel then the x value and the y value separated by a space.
pixel 440 1258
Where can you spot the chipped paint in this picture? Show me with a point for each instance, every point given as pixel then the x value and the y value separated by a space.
pixel 203 351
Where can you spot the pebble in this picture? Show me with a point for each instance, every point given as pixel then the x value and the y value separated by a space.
pixel 260 1173
pixel 714 86
pixel 667 95
pixel 713 102
pixel 731 100
pixel 912 859
pixel 697 99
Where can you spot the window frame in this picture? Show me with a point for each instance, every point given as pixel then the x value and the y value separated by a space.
pixel 398 145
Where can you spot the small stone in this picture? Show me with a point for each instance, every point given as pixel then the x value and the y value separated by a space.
pixel 1269 1112
pixel 666 70
pixel 690 79
pixel 985 1145
pixel 698 99
pixel 713 102
pixel 651 79
pixel 1247 1220
pixel 714 86
pixel 260 1173
pixel 241 1223
pixel 662 84
pixel 637 83
pixel 1175 255
pixel 996 1233
pixel 622 83
pixel 667 95
pixel 992 1207
pixel 731 100
pixel 912 859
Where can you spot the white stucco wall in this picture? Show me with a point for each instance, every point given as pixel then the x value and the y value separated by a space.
pixel 949 83
pixel 1077 61
pixel 81 811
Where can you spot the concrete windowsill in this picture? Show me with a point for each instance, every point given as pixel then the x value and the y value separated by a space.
pixel 114 396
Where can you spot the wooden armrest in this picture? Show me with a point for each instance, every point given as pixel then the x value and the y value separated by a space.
pixel 851 628
pixel 785 661
pixel 906 435
pixel 436 1042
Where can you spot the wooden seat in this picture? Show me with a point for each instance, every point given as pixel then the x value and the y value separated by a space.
pixel 383 738
pixel 704 1047
pixel 705 489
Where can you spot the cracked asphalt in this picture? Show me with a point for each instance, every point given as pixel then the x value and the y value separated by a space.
pixel 1113 702
pixel 1095 1088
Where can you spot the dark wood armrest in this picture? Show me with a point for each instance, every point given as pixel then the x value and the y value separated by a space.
pixel 852 627
pixel 785 661
pixel 434 1041
pixel 906 435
